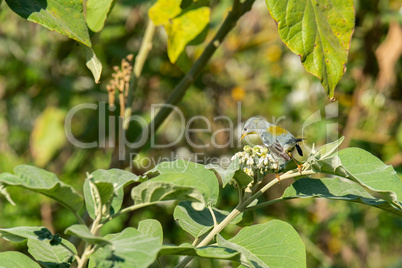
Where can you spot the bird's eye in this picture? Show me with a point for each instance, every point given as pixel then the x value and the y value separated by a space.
pixel 245 129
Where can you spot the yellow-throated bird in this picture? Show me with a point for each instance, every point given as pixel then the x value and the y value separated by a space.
pixel 278 140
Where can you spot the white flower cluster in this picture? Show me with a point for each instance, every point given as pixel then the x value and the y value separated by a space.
pixel 256 160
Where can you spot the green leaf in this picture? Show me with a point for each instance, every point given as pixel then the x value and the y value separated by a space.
pixel 16 260
pixel 50 254
pixel 171 186
pixel 213 252
pixel 328 149
pixel 178 180
pixel 48 135
pixel 234 172
pixel 324 159
pixel 319 32
pixel 82 231
pixel 184 28
pixel 370 172
pixel 98 196
pixel 92 62
pixel 152 228
pixel 22 233
pixel 272 244
pixel 197 222
pixel 118 178
pixel 44 182
pixel 97 11
pixel 205 176
pixel 63 16
pixel 164 10
pixel 362 167
pixel 336 189
pixel 131 248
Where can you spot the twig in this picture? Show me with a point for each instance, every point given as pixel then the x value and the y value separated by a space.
pixel 237 11
pixel 146 46
pixel 240 208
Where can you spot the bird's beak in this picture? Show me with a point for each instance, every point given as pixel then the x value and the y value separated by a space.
pixel 244 135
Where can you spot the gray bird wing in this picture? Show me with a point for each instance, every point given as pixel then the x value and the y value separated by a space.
pixel 275 147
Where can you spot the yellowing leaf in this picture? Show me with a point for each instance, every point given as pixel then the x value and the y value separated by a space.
pixel 164 10
pixel 184 28
pixel 47 136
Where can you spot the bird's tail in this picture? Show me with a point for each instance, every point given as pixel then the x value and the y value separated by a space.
pixel 299 150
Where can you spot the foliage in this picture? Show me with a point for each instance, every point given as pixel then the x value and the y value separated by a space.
pixel 320 34
pixel 262 245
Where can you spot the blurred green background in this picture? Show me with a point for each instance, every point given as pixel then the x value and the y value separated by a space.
pixel 43 76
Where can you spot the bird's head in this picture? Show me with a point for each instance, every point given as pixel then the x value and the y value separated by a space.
pixel 253 126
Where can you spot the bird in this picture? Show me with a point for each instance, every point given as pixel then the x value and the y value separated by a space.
pixel 278 140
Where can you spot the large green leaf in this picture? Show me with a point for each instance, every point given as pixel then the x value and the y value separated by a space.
pixel 171 186
pixel 44 182
pixel 370 172
pixel 22 233
pixel 97 11
pixel 152 228
pixel 63 16
pixel 360 166
pixel 118 179
pixel 337 189
pixel 319 32
pixel 213 252
pixel 16 260
pixel 130 248
pixel 48 135
pixel 197 222
pixel 272 244
pixel 206 177
pixel 82 231
pixel 52 254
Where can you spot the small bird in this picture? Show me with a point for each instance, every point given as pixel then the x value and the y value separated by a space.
pixel 278 140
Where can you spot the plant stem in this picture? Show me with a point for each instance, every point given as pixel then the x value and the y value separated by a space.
pixel 146 46
pixel 178 93
pixel 240 208
pixel 125 210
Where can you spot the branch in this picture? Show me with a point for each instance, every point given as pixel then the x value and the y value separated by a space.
pixel 240 208
pixel 178 93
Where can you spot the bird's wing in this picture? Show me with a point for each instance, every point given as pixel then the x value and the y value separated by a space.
pixel 275 147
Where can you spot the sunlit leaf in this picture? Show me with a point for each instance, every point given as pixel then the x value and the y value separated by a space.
pixel 213 252
pixel 118 179
pixel 63 16
pixel 164 10
pixel 184 28
pixel 319 32
pixel 82 231
pixel 22 233
pixel 93 63
pixel 44 182
pixel 51 254
pixel 130 248
pixel 152 228
pixel 272 244
pixel 206 177
pixel 197 222
pixel 97 11
pixel 16 260
pixel 336 189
